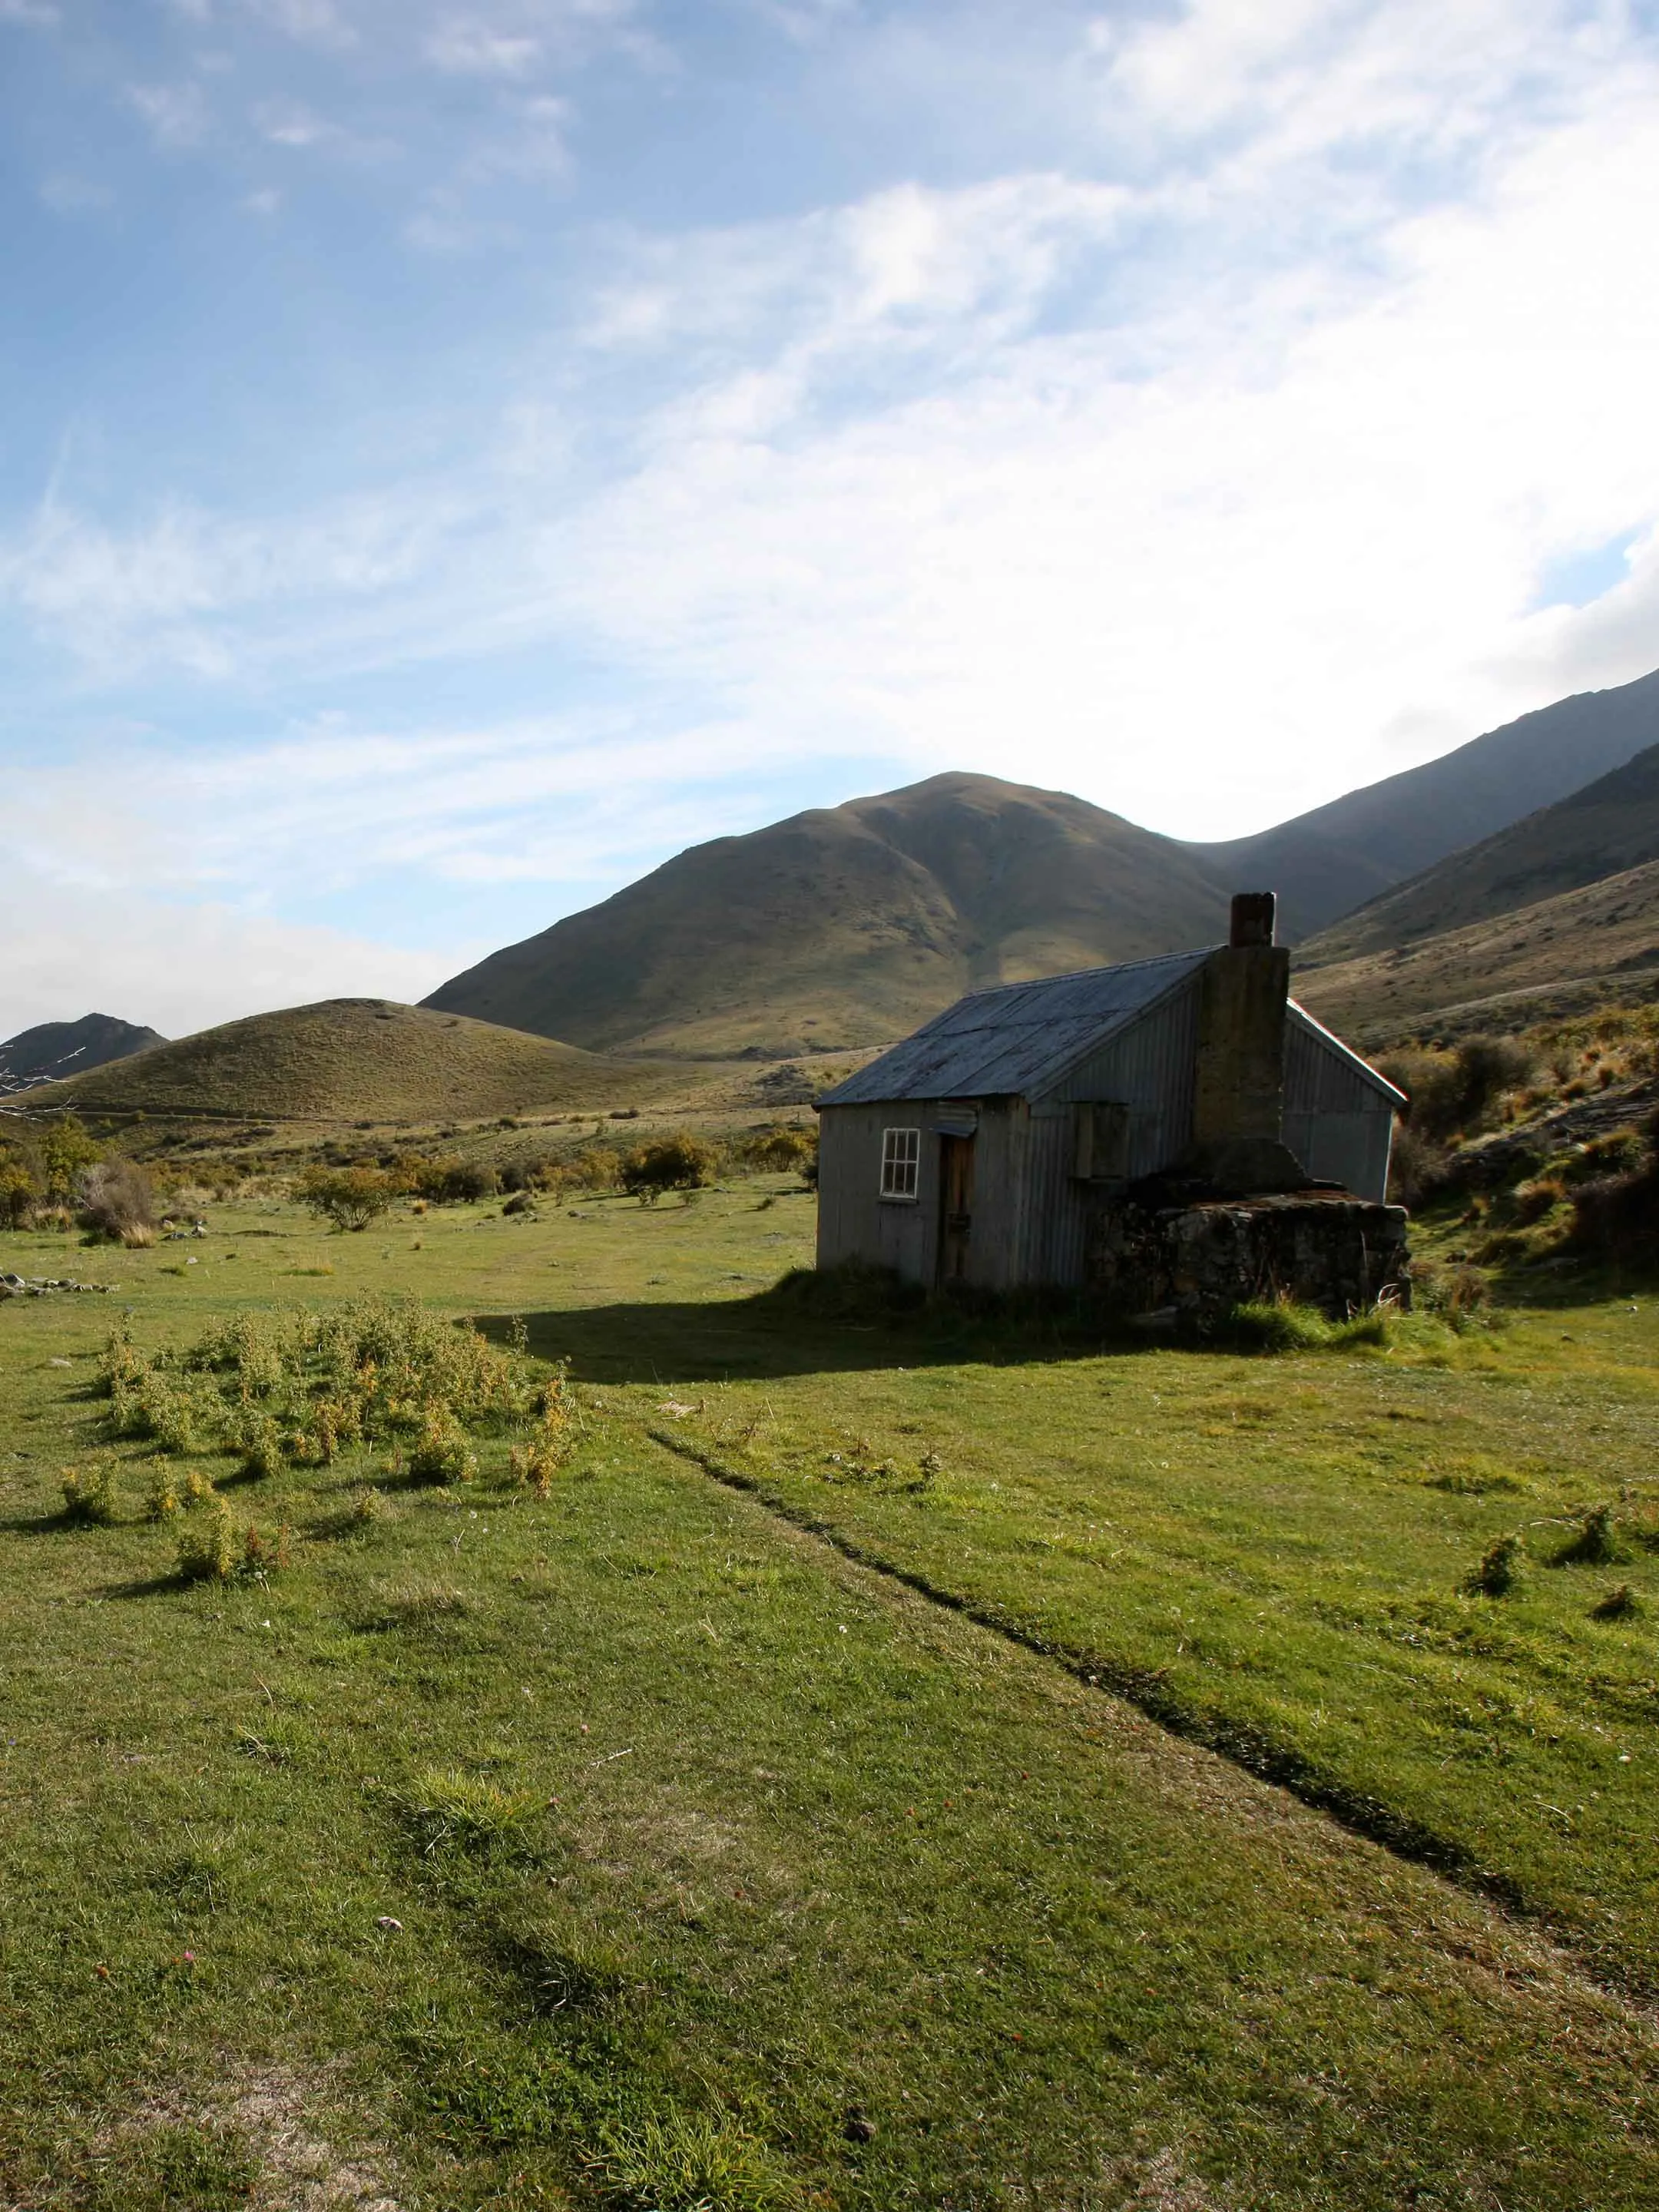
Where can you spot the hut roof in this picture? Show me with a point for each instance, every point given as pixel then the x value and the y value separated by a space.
pixel 1015 1039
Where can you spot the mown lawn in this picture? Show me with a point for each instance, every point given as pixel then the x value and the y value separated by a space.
pixel 726 1866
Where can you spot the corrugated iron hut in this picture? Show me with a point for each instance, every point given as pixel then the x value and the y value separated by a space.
pixel 1171 1132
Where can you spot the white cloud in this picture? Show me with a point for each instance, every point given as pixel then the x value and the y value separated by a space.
pixel 30 15
pixel 176 115
pixel 311 22
pixel 181 967
pixel 470 48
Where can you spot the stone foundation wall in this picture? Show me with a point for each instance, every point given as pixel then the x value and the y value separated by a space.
pixel 1323 1249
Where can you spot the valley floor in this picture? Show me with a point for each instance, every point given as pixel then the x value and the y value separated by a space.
pixel 903 1761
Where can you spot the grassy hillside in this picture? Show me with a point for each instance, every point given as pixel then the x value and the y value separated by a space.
pixel 1324 864
pixel 353 1058
pixel 1575 950
pixel 847 925
pixel 58 1049
pixel 631 1845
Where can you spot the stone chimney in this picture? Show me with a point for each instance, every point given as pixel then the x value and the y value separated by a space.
pixel 1238 1100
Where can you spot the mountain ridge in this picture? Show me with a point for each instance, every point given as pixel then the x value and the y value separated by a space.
pixel 845 926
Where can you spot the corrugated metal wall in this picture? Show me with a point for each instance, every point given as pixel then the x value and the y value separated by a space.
pixel 1338 1124
pixel 1149 1069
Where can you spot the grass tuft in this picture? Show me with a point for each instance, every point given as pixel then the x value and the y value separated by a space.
pixel 446 1810
pixel 688 2162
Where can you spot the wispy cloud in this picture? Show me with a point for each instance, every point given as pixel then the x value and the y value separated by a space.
pixel 470 48
pixel 177 116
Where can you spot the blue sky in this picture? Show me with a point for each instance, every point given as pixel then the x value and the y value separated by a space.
pixel 453 456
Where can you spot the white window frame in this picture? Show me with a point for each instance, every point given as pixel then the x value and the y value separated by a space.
pixel 901 1165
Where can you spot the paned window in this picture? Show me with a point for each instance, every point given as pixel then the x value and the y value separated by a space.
pixel 901 1157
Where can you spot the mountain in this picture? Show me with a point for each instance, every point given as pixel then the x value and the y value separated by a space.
pixel 1329 862
pixel 1566 900
pixel 353 1058
pixel 848 925
pixel 1610 825
pixel 60 1049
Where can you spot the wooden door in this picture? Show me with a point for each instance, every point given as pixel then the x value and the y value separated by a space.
pixel 956 1207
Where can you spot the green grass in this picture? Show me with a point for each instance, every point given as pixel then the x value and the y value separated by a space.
pixel 729 1871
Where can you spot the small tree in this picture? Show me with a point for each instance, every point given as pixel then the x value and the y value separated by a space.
pixel 348 1197
pixel 65 1149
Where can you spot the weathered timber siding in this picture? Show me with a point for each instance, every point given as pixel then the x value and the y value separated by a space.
pixel 1337 1122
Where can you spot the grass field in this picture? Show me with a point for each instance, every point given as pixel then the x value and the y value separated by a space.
pixel 753 1832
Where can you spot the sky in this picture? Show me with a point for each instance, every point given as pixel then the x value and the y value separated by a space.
pixel 453 456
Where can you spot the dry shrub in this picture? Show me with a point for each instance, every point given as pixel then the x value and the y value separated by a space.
pixel 1532 1200
pixel 1618 1214
pixel 116 1199
pixel 1418 1166
pixel 1458 1090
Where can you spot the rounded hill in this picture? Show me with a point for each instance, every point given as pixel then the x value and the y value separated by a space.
pixel 352 1058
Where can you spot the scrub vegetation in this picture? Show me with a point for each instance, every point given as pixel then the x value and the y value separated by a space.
pixel 559 1710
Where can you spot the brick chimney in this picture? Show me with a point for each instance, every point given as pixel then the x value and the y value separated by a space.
pixel 1238 1100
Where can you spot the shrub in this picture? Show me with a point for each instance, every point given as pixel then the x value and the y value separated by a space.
pixel 264 1555
pixel 442 1453
pixel 1418 1165
pixel 445 1179
pixel 1496 1575
pixel 19 1194
pixel 207 1552
pixel 1595 1545
pixel 1620 1213
pixel 535 1463
pixel 116 1199
pixel 263 1456
pixel 1448 1091
pixel 682 1162
pixel 778 1151
pixel 348 1197
pixel 161 1500
pixel 89 1495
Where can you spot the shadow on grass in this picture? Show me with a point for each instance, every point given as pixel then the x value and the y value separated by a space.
pixel 167 1585
pixel 809 1324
